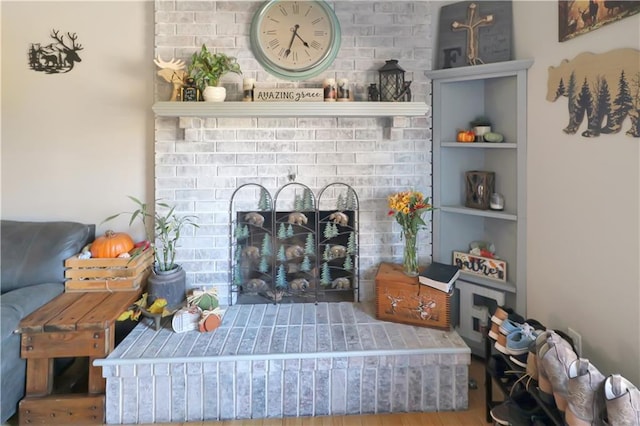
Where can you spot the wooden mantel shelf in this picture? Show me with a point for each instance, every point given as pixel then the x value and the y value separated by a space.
pixel 290 109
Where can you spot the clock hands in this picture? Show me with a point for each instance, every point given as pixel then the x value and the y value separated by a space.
pixel 295 34
pixel 303 42
pixel 293 37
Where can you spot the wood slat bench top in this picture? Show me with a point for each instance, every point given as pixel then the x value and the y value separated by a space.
pixel 78 311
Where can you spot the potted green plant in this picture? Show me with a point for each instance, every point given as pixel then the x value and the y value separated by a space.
pixel 206 68
pixel 480 125
pixel 168 279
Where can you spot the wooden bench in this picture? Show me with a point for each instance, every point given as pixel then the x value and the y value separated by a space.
pixel 71 325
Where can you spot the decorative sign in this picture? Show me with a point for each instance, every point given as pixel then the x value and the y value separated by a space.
pixel 288 95
pixel 481 266
pixel 56 57
pixel 473 33
pixel 602 91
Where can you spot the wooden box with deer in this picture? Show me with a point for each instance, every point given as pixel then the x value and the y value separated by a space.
pixel 400 298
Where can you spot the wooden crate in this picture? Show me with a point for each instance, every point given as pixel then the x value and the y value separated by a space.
pixel 107 274
pixel 400 298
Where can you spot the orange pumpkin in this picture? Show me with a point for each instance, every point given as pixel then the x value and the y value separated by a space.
pixel 466 136
pixel 111 244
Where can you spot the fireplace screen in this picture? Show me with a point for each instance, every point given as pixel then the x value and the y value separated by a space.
pixel 294 246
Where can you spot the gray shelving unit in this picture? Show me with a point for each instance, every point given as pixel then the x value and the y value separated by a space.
pixel 499 92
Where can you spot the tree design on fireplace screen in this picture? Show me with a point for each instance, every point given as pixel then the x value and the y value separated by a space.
pixel 294 246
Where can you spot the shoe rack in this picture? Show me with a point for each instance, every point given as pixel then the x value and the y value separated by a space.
pixel 554 415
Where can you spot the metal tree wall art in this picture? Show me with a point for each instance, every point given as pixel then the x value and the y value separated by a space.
pixel 57 56
pixel 601 90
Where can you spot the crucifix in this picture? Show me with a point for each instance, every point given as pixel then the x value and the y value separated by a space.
pixel 472 32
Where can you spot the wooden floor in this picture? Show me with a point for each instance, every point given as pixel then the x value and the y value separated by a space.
pixel 475 415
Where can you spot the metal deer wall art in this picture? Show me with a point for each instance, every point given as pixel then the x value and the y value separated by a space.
pixel 56 57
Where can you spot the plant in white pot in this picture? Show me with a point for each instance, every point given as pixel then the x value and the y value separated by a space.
pixel 207 68
pixel 480 125
pixel 168 279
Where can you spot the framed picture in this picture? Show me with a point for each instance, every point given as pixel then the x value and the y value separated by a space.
pixel 474 33
pixel 577 17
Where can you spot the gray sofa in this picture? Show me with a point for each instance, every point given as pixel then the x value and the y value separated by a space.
pixel 32 273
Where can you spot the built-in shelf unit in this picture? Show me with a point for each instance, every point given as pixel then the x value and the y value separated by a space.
pixel 499 92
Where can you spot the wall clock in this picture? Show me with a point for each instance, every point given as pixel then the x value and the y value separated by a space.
pixel 295 40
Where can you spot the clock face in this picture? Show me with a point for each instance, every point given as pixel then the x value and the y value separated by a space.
pixel 295 39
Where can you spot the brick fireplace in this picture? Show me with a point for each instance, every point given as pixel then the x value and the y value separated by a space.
pixel 290 359
pixel 200 161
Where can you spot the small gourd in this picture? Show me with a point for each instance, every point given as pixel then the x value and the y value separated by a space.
pixel 493 137
pixel 111 244
pixel 466 136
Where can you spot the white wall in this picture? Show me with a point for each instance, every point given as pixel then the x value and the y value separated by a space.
pixel 583 203
pixel 74 145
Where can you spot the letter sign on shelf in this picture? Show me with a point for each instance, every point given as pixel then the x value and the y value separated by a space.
pixel 481 266
pixel 288 95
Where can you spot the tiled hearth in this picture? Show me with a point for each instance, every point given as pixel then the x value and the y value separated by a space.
pixel 285 360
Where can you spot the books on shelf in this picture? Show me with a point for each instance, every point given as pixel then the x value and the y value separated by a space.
pixel 439 276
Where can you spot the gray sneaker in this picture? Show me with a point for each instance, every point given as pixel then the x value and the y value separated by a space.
pixel 622 400
pixel 585 394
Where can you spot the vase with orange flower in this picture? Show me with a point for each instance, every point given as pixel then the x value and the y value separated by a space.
pixel 407 207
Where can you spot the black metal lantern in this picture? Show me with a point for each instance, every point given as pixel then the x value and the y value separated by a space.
pixel 391 81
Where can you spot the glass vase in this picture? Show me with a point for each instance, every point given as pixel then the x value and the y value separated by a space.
pixel 410 258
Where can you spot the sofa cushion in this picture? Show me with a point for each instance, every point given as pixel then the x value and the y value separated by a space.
pixel 17 304
pixel 34 252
